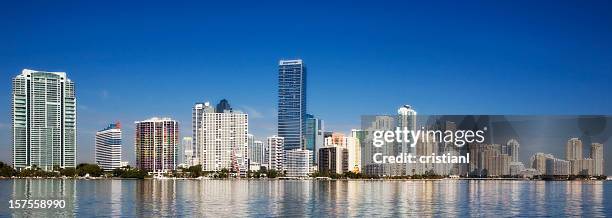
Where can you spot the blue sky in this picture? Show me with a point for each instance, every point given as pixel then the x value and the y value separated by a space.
pixel 134 60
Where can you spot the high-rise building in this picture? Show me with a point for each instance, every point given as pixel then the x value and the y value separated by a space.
pixel 597 156
pixel 186 151
pixel 350 150
pixel 538 162
pixel 223 106
pixel 275 156
pixel 108 147
pixel 406 119
pixel 257 152
pixel 156 144
pixel 369 125
pixel 557 167
pixel 573 152
pixel 314 135
pixel 44 120
pixel 292 103
pixel 223 142
pixel 336 139
pixel 297 162
pixel 331 160
pixel 196 125
pixel 512 149
pixel 573 149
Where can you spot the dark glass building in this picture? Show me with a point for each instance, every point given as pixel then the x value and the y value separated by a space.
pixel 292 103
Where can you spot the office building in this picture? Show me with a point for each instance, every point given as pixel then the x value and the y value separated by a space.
pixel 108 147
pixel 292 103
pixel 330 160
pixel 223 106
pixel 156 144
pixel 44 120
pixel 314 135
pixel 297 162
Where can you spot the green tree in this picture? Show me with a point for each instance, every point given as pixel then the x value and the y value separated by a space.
pixel 195 171
pixel 92 169
pixel 68 171
pixel 224 173
pixel 6 170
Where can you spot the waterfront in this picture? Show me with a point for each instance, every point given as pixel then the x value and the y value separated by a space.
pixel 262 198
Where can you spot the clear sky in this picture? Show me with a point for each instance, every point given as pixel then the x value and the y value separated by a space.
pixel 134 60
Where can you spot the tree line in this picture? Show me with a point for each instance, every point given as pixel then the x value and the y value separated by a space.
pixel 83 169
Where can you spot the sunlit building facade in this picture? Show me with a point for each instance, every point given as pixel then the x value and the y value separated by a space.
pixel 44 120
pixel 108 147
pixel 156 144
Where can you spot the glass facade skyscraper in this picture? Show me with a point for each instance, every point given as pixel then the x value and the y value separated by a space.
pixel 44 120
pixel 292 103
pixel 314 135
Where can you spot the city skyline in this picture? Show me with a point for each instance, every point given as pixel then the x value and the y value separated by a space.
pixel 111 71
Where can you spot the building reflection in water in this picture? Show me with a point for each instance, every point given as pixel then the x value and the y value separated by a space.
pixel 353 198
pixel 45 189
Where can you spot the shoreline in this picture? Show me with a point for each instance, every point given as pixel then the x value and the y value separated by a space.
pixel 305 179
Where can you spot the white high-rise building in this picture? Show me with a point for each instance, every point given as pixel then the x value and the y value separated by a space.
pixel 406 118
pixel 297 162
pixel 275 153
pixel 196 124
pixel 573 149
pixel 108 147
pixel 44 120
pixel 222 141
pixel 186 151
pixel 256 152
pixel 597 156
pixel 353 154
pixel 512 149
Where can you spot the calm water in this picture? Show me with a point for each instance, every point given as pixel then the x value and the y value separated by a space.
pixel 215 198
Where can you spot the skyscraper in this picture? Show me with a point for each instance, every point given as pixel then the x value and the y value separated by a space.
pixel 223 141
pixel 186 151
pixel 573 153
pixel 256 152
pixel 44 120
pixel 597 156
pixel 108 147
pixel 156 144
pixel 292 103
pixel 406 118
pixel 512 149
pixel 573 149
pixel 223 106
pixel 314 135
pixel 196 125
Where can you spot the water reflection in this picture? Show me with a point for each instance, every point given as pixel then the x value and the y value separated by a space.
pixel 257 198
